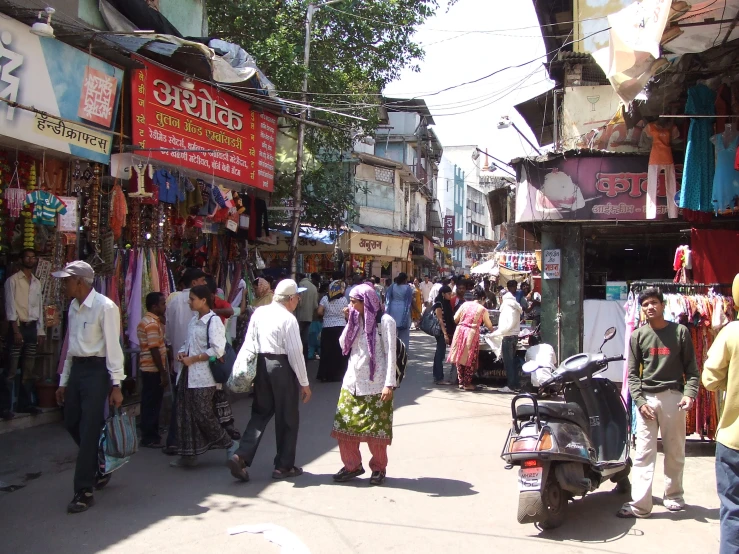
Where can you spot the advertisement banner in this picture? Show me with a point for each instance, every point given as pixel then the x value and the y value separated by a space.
pixel 78 94
pixel 202 129
pixel 588 188
pixel 378 245
pixel 449 231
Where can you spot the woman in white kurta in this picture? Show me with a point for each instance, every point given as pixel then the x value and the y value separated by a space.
pixel 365 409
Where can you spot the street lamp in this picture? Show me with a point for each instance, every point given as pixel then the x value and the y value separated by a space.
pixel 298 184
pixel 476 156
pixel 505 122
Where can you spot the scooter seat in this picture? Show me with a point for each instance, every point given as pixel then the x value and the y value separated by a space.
pixel 566 411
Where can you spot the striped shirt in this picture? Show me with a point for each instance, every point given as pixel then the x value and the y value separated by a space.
pixel 151 335
pixel 275 331
pixel 45 207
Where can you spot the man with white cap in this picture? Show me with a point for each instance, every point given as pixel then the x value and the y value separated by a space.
pixel 280 382
pixel 93 371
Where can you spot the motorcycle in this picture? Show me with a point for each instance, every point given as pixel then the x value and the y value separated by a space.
pixel 570 448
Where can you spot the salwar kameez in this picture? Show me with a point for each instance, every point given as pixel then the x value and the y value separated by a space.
pixel 465 348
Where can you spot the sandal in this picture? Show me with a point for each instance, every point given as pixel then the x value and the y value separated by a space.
pixel 287 474
pixel 170 450
pixel 627 512
pixel 238 468
pixel 442 382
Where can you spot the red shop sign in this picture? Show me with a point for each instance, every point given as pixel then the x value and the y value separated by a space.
pixel 168 117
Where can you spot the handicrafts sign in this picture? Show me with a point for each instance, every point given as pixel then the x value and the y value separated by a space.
pixel 202 129
pixel 449 231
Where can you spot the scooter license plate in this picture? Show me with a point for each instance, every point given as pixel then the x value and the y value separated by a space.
pixel 529 478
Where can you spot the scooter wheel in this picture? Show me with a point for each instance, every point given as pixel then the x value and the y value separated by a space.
pixel 555 503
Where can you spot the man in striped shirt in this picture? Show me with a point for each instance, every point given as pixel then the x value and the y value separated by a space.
pixel 280 382
pixel 153 366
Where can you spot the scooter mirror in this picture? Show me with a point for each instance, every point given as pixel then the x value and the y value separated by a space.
pixel 530 366
pixel 609 334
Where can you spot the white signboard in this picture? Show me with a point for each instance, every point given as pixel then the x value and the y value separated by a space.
pixel 552 264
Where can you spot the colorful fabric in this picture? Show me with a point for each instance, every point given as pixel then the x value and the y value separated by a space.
pixel 661 153
pixel 363 418
pixel 335 289
pixel 351 457
pixel 726 178
pixel 698 168
pixel 371 302
pixel 150 332
pixel 466 342
pixel 45 207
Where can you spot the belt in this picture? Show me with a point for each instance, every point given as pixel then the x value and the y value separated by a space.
pixel 28 323
pixel 88 359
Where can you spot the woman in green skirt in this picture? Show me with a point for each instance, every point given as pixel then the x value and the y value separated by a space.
pixel 365 409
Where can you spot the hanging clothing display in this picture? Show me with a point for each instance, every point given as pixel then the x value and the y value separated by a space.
pixel 698 169
pixel 726 178
pixel 660 159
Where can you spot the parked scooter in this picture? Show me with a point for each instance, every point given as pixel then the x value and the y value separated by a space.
pixel 567 449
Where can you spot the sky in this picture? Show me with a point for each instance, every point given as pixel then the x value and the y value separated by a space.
pixel 457 52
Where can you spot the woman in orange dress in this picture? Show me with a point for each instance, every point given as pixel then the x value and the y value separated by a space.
pixel 466 342
pixel 417 304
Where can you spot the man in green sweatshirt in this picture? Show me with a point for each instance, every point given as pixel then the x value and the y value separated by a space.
pixel 721 372
pixel 663 381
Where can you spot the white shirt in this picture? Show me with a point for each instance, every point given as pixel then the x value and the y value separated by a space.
pixel 95 330
pixel 275 331
pixel 434 292
pixel 357 378
pixel 199 375
pixel 333 315
pixel 509 323
pixel 426 290
pixel 177 328
pixel 32 303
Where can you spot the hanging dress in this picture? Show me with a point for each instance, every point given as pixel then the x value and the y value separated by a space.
pixel 726 179
pixel 697 183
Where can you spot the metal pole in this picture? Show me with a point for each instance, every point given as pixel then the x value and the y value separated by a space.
pixel 554 121
pixel 298 185
pixel 525 138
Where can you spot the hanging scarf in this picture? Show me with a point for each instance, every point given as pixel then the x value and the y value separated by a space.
pixel 335 289
pixel 371 302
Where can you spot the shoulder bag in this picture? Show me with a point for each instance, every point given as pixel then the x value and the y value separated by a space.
pixel 430 323
pixel 245 367
pixel 221 368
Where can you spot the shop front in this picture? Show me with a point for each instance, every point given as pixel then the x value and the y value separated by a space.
pixel 376 252
pixel 315 252
pixel 58 110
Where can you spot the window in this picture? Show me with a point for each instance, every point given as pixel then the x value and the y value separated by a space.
pixel 469 227
pixel 384 175
pixel 376 195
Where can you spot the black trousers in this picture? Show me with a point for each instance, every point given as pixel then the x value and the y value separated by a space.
pixel 304 326
pixel 25 353
pixel 172 434
pixel 151 404
pixel 84 414
pixel 276 393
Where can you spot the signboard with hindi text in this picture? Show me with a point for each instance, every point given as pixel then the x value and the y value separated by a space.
pixel 379 245
pixel 74 95
pixel 552 261
pixel 202 129
pixel 449 231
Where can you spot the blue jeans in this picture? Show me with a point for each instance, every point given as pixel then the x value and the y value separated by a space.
pixel 509 361
pixel 439 358
pixel 727 484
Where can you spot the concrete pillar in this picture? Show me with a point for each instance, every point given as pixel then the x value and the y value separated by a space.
pixel 568 238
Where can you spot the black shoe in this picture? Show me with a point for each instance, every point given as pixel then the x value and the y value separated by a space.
pixel 378 478
pixel 345 475
pixel 33 410
pixel 233 433
pixel 81 502
pixel 102 480
pixel 7 415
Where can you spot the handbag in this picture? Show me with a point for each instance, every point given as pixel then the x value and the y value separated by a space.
pixel 245 367
pixel 221 367
pixel 106 463
pixel 430 323
pixel 121 440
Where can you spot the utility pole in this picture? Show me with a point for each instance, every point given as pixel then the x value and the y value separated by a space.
pixel 298 185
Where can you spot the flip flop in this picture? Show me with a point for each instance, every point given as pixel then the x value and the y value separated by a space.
pixel 292 472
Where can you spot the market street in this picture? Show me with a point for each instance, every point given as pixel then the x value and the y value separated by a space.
pixel 447 491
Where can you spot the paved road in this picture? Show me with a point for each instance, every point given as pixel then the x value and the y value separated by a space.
pixel 447 491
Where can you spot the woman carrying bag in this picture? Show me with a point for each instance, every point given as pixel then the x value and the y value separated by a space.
pixel 442 308
pixel 332 366
pixel 198 428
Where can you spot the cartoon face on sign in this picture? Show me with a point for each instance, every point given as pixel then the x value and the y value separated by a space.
pixel 558 193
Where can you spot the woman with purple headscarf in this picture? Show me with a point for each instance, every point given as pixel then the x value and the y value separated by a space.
pixel 365 409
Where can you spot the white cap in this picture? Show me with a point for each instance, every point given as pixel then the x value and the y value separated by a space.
pixel 76 269
pixel 288 287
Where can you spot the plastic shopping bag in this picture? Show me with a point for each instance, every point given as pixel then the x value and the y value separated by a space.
pixel 121 439
pixel 107 464
pixel 244 368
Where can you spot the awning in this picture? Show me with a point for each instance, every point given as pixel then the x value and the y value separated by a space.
pixel 486 268
pixel 538 112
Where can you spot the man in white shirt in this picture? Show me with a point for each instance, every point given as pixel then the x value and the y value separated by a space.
pixel 509 326
pixel 280 382
pixel 93 371
pixel 426 287
pixel 24 311
pixel 178 317
pixel 306 309
pixel 434 291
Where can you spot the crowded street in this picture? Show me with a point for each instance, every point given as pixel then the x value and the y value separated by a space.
pixel 446 491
